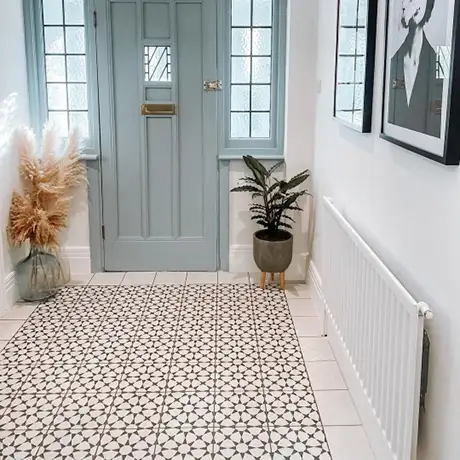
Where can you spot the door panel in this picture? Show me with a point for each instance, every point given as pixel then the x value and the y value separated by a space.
pixel 159 171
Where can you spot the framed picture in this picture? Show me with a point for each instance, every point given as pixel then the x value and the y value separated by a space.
pixel 355 58
pixel 421 100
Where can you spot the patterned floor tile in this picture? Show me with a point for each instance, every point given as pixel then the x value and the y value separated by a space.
pixel 151 350
pixel 20 445
pixel 69 445
pixel 292 409
pixel 127 445
pixel 192 376
pixel 299 443
pixel 22 353
pixel 186 444
pixel 287 376
pixel 49 378
pixel 238 376
pixel 97 378
pixel 240 409
pixel 144 378
pixel 242 443
pixel 230 349
pixel 30 412
pixel 109 350
pixel 163 371
pixel 65 352
pixel 83 411
pixel 12 377
pixel 185 410
pixel 195 349
pixel 136 410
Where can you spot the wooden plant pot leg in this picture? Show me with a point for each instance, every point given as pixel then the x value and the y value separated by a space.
pixel 272 276
pixel 283 281
pixel 262 280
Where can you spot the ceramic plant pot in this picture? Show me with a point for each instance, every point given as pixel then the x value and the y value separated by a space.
pixel 272 254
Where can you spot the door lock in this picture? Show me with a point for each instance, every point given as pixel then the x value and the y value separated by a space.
pixel 212 85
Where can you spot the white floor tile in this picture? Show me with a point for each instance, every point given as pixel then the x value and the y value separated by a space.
pixel 232 278
pixel 308 326
pixel 170 278
pixel 302 307
pixel 201 277
pixel 337 408
pixel 20 311
pixel 316 349
pixel 325 375
pixel 348 443
pixel 8 328
pixel 299 291
pixel 107 279
pixel 3 344
pixel 138 278
pixel 80 280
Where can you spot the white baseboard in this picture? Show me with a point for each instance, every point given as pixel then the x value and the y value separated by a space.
pixel 241 261
pixel 10 292
pixel 79 259
pixel 363 407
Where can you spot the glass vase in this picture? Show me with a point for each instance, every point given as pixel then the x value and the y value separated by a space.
pixel 40 275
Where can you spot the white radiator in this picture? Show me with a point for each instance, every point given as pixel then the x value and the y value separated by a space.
pixel 379 328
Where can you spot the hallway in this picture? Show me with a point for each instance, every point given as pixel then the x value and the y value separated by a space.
pixel 173 366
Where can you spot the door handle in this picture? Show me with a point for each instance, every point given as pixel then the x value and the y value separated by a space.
pixel 158 109
pixel 212 85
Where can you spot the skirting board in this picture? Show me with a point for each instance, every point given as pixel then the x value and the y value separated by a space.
pixel 241 261
pixel 364 408
pixel 9 294
pixel 79 259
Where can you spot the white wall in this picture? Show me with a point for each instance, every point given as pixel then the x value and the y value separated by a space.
pixel 408 209
pixel 299 143
pixel 13 112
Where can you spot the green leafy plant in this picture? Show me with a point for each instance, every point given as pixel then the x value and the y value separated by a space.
pixel 274 199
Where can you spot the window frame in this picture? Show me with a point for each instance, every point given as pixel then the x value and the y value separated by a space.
pixel 36 73
pixel 263 148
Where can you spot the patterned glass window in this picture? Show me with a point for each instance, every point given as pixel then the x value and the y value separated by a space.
pixel 251 45
pixel 65 64
pixel 157 61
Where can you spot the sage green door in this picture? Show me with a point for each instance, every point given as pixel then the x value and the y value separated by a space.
pixel 158 133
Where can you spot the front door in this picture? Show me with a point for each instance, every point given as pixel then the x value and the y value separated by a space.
pixel 158 133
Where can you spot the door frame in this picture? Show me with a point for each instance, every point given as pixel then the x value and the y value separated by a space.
pixel 94 169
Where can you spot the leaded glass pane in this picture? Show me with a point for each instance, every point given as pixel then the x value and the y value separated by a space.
pixel 239 125
pixel 157 63
pixel 57 96
pixel 240 98
pixel 80 121
pixel 55 69
pixel 241 69
pixel 75 40
pixel 76 68
pixel 260 125
pixel 262 12
pixel 261 42
pixel 54 40
pixel 241 42
pixel 74 12
pixel 59 119
pixel 261 70
pixel 78 99
pixel 241 12
pixel 261 97
pixel 52 12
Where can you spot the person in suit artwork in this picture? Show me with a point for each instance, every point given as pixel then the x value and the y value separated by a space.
pixel 415 89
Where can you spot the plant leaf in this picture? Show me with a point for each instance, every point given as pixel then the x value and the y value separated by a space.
pixel 275 167
pixel 255 165
pixel 285 225
pixel 245 188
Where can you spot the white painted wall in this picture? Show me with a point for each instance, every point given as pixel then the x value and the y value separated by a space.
pixel 299 143
pixel 408 209
pixel 14 111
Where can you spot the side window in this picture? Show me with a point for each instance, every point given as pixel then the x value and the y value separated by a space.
pixel 61 66
pixel 254 77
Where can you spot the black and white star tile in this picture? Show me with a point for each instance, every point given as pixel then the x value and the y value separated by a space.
pixel 208 372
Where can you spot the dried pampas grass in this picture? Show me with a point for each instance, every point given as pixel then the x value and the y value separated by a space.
pixel 40 211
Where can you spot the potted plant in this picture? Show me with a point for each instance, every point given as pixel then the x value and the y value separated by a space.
pixel 274 201
pixel 39 211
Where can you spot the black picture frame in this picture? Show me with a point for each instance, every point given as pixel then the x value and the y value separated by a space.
pixel 368 84
pixel 451 148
